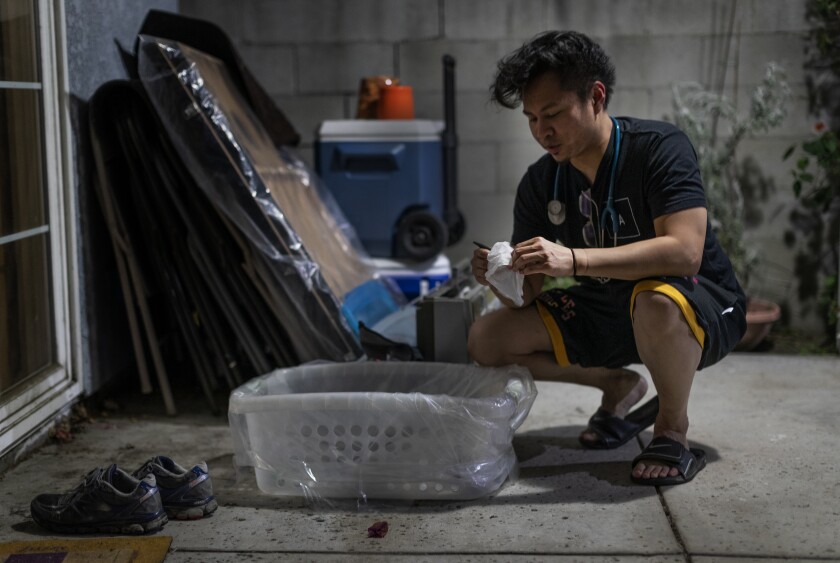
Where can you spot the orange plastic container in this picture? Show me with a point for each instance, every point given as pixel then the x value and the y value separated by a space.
pixel 396 102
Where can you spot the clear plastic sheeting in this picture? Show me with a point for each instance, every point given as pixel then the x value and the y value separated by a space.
pixel 303 252
pixel 381 430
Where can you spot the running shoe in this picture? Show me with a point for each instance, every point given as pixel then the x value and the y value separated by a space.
pixel 187 494
pixel 107 501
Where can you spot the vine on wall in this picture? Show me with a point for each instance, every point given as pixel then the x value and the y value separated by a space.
pixel 815 222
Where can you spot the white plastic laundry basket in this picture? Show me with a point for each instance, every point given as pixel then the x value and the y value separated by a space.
pixel 398 430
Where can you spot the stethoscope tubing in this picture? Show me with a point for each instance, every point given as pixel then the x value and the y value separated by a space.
pixel 609 209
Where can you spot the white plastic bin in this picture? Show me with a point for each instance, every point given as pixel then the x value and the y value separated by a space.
pixel 388 430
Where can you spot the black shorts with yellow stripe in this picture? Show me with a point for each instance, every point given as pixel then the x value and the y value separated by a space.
pixel 592 325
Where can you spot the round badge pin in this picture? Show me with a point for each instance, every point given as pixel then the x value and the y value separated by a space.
pixel 556 212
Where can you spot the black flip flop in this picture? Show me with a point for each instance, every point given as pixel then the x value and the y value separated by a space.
pixel 614 432
pixel 688 462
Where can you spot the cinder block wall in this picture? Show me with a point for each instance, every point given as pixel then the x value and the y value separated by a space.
pixel 310 55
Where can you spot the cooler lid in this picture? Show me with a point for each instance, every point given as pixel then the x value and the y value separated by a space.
pixel 342 130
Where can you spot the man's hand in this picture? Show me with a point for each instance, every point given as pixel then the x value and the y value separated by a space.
pixel 539 256
pixel 479 265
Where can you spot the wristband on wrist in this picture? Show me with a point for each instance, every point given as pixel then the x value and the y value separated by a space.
pixel 574 262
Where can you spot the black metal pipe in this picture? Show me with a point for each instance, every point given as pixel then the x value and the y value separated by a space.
pixel 451 216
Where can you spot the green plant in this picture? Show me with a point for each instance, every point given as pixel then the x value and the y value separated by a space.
pixel 816 184
pixel 816 173
pixel 822 40
pixel 700 114
pixel 820 183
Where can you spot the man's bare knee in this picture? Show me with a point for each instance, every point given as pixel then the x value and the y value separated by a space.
pixel 480 343
pixel 654 311
pixel 476 343
pixel 658 318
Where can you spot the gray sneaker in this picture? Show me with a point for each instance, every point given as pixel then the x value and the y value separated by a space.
pixel 187 494
pixel 108 501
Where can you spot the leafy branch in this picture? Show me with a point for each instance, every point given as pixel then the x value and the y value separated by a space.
pixel 698 112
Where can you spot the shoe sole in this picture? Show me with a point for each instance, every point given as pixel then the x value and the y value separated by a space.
pixel 129 528
pixel 193 512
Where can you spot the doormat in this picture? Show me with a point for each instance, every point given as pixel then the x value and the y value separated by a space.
pixel 151 549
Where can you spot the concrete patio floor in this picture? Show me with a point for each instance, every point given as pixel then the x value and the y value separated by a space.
pixel 771 491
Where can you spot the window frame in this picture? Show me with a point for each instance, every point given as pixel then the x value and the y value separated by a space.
pixel 26 408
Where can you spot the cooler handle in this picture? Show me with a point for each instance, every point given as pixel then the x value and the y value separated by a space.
pixel 361 160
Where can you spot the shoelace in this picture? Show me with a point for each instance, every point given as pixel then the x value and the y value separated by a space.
pixel 86 485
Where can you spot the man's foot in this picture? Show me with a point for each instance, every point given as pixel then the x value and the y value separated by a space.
pixel 628 389
pixel 654 469
pixel 667 461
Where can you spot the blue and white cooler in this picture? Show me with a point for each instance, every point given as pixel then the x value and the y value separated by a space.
pixel 388 178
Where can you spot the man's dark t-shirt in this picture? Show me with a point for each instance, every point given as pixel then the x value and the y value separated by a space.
pixel 657 174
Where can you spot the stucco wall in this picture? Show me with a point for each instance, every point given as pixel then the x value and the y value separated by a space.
pixel 92 27
pixel 310 54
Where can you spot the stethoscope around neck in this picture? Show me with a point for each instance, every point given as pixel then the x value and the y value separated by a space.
pixel 557 211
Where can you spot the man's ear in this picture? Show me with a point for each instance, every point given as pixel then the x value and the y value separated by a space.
pixel 598 96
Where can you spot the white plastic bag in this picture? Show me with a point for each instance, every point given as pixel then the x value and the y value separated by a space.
pixel 508 282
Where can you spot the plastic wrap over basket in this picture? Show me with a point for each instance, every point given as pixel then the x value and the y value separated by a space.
pixel 381 430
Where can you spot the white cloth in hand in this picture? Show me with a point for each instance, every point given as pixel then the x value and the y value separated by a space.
pixel 508 282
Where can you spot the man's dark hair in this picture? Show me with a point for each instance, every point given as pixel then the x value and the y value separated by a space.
pixel 573 57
